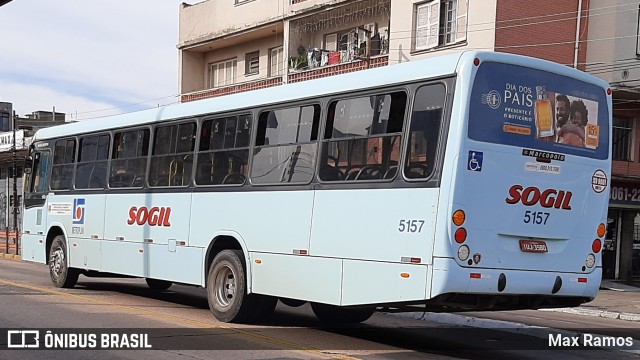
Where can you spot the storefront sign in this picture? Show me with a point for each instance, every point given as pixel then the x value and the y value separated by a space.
pixel 6 141
pixel 624 194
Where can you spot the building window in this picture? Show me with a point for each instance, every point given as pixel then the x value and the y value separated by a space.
pixel 621 138
pixel 252 63
pixel 276 61
pixel 222 73
pixel 5 121
pixel 439 23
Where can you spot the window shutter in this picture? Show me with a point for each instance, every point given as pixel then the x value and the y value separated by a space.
pixel 331 42
pixel 461 21
pixel 427 25
pixel 277 61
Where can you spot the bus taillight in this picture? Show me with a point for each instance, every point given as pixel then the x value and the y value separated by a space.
pixel 601 230
pixel 596 246
pixel 460 235
pixel 458 217
pixel 463 252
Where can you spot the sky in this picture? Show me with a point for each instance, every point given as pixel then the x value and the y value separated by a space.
pixel 88 59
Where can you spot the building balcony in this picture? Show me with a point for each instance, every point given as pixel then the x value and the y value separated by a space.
pixel 294 76
pixel 210 20
pixel 231 89
pixel 337 69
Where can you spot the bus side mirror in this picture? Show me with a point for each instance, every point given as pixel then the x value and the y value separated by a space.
pixel 28 164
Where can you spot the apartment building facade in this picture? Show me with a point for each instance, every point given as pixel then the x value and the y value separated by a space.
pixel 614 55
pixel 229 46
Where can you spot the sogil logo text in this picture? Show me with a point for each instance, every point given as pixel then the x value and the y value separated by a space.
pixel 156 216
pixel 559 199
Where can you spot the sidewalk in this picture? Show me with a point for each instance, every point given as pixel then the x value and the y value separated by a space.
pixel 614 301
pixel 11 247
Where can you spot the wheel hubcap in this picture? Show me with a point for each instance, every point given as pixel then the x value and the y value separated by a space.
pixel 56 263
pixel 225 286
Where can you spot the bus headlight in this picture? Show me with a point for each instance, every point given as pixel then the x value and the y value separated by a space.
pixel 591 260
pixel 463 252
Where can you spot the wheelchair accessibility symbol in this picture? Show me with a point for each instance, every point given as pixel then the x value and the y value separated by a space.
pixel 475 161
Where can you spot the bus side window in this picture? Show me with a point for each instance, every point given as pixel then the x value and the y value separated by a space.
pixel 362 138
pixel 172 158
pixel 286 145
pixel 40 172
pixel 224 151
pixel 129 158
pixel 91 171
pixel 63 161
pixel 424 131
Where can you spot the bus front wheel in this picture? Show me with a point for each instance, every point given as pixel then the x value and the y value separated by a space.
pixel 227 288
pixel 336 314
pixel 61 274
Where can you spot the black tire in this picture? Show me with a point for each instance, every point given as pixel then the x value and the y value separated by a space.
pixel 227 288
pixel 338 315
pixel 156 284
pixel 61 274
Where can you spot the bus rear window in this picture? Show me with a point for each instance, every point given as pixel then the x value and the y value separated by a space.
pixel 530 108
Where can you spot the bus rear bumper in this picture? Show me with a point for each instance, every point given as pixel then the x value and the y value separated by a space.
pixel 509 288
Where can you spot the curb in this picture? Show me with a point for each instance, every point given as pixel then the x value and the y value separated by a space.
pixel 597 313
pixel 11 257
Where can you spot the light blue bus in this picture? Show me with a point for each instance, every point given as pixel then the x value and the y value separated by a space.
pixel 471 181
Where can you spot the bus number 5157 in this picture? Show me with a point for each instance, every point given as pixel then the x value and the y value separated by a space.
pixel 536 217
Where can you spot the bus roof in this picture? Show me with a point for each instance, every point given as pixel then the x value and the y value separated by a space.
pixel 401 73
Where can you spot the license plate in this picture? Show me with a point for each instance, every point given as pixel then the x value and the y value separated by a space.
pixel 533 246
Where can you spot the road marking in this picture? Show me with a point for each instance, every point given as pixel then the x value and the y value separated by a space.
pixel 193 323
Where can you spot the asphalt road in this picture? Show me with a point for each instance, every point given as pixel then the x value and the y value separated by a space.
pixel 178 325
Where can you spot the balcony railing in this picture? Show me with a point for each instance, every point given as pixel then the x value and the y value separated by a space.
pixel 340 68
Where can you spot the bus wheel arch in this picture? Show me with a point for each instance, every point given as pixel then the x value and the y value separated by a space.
pixel 52 234
pixel 221 243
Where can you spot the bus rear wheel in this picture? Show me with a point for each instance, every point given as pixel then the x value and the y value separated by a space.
pixel 61 274
pixel 335 314
pixel 227 288
pixel 156 284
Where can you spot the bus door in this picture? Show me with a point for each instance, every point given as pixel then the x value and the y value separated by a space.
pixel 34 223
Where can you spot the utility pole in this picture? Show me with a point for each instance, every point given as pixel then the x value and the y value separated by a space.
pixel 15 184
